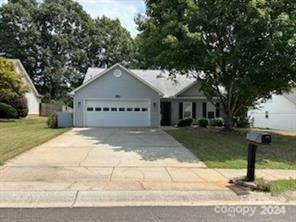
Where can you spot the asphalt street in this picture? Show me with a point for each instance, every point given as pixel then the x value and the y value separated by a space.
pixel 152 214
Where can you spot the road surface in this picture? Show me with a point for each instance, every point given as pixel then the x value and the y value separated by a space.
pixel 152 214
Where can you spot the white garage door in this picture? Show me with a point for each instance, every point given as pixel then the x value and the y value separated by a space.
pixel 117 113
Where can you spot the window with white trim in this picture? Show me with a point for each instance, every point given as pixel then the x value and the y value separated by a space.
pixel 187 110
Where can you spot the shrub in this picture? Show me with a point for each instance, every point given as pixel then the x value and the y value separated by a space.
pixel 243 124
pixel 217 122
pixel 203 122
pixel 20 104
pixel 7 111
pixel 52 121
pixel 185 122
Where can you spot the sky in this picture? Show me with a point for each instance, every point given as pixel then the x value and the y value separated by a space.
pixel 124 10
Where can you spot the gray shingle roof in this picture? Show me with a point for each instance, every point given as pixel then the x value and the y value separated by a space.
pixel 161 80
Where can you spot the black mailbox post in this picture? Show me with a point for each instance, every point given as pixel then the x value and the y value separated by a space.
pixel 254 139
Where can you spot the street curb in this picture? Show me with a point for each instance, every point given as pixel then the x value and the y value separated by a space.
pixel 48 199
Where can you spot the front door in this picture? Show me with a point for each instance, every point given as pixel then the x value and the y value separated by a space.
pixel 165 113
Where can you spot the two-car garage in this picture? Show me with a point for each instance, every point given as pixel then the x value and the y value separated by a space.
pixel 117 113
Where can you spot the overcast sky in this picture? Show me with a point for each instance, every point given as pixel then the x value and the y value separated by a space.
pixel 124 10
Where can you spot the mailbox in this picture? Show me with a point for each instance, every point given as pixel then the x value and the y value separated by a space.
pixel 259 137
pixel 255 139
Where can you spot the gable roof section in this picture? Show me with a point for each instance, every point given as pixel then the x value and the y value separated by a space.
pixel 158 79
pixel 291 96
pixel 93 75
pixel 23 71
pixel 186 88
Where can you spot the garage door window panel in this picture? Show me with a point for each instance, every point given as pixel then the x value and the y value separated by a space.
pixel 129 113
pixel 90 109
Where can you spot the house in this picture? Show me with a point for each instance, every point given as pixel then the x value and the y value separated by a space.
pixel 120 97
pixel 279 112
pixel 33 97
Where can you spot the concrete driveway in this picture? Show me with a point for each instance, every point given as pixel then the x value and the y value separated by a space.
pixel 109 159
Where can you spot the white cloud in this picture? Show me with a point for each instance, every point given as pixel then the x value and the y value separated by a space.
pixel 124 10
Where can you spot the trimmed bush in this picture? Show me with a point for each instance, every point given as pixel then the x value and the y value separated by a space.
pixel 52 121
pixel 203 122
pixel 185 122
pixel 217 122
pixel 7 111
pixel 21 105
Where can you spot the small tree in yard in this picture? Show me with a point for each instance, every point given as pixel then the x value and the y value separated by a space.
pixel 11 83
pixel 240 51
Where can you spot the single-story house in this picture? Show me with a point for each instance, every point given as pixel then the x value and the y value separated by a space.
pixel 279 112
pixel 120 97
pixel 33 97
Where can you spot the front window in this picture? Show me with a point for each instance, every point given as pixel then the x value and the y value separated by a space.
pixel 187 110
pixel 211 115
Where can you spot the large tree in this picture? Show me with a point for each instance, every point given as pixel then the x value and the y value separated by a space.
pixel 110 43
pixel 19 35
pixel 57 41
pixel 240 51
pixel 64 29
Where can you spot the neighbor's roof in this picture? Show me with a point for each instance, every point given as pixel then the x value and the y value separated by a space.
pixel 291 96
pixel 161 80
pixel 23 71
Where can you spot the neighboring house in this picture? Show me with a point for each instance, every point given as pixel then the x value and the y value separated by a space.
pixel 118 97
pixel 33 97
pixel 279 112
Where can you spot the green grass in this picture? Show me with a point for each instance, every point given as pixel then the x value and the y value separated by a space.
pixel 220 149
pixel 280 186
pixel 17 136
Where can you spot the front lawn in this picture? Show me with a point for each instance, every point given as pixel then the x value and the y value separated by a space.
pixel 280 186
pixel 229 150
pixel 17 136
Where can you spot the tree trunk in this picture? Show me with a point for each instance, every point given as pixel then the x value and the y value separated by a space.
pixel 228 124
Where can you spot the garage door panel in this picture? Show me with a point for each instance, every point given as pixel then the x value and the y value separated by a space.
pixel 118 113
